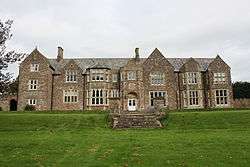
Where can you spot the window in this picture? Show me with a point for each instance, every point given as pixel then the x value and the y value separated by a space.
pixel 131 75
pixel 70 96
pixel 192 77
pixel 154 94
pixel 71 76
pixel 114 93
pixel 219 77
pixel 221 97
pixel 114 77
pixel 99 97
pixel 193 98
pixel 32 102
pixel 122 78
pixel 34 67
pixel 33 84
pixel 185 99
pixel 157 78
pixel 97 75
pixel 184 78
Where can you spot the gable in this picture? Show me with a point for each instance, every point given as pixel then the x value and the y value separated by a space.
pixel 191 66
pixel 156 58
pixel 35 57
pixel 218 64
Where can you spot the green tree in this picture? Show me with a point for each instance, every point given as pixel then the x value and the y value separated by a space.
pixel 6 57
pixel 241 90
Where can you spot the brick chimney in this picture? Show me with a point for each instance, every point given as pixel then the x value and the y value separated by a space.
pixel 137 56
pixel 59 54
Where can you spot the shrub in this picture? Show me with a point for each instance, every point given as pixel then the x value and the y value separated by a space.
pixel 1 109
pixel 29 108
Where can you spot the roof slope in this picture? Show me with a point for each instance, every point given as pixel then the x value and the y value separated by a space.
pixel 117 63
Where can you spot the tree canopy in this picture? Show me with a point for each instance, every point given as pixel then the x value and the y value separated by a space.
pixel 241 90
pixel 6 57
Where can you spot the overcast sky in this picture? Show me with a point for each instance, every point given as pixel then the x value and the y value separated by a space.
pixel 113 28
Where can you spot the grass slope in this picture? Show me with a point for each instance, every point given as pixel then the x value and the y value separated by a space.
pixel 78 139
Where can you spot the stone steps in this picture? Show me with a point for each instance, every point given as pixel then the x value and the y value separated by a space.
pixel 134 120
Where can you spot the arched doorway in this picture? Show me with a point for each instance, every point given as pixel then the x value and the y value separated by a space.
pixel 13 105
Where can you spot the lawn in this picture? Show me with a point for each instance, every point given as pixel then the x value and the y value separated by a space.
pixel 83 139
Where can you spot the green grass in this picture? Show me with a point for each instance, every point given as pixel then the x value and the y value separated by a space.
pixel 83 139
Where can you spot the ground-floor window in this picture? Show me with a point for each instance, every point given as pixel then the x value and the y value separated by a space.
pixel 70 96
pixel 32 102
pixel 221 97
pixel 155 94
pixel 191 98
pixel 99 97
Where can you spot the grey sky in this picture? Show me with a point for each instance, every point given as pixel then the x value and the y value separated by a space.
pixel 113 28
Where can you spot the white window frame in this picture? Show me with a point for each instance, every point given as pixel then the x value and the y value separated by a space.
pixel 220 98
pixel 154 94
pixel 184 78
pixel 192 77
pixel 131 75
pixel 70 96
pixel 114 93
pixel 98 75
pixel 32 102
pixel 157 78
pixel 33 84
pixel 99 97
pixel 114 77
pixel 193 98
pixel 70 76
pixel 34 67
pixel 219 77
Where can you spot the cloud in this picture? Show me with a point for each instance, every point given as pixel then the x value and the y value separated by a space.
pixel 113 28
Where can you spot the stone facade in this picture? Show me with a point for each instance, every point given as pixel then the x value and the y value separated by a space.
pixel 123 84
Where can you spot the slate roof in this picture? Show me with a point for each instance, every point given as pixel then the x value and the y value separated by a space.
pixel 117 63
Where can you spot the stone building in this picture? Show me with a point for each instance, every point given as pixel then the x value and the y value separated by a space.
pixel 124 84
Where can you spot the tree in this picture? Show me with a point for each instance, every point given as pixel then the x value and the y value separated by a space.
pixel 241 90
pixel 6 57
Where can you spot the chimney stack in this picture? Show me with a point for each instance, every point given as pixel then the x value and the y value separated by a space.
pixel 137 56
pixel 59 54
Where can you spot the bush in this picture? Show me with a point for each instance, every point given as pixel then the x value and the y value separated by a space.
pixel 1 109
pixel 29 108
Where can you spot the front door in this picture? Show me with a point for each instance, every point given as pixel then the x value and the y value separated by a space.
pixel 131 104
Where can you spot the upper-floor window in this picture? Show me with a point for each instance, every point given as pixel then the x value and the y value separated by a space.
pixel 221 97
pixel 157 78
pixel 192 77
pixel 70 96
pixel 131 75
pixel 99 97
pixel 114 77
pixel 114 93
pixel 122 76
pixel 34 67
pixel 98 75
pixel 71 76
pixel 33 84
pixel 32 102
pixel 219 77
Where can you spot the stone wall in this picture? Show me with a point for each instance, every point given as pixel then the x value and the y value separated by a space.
pixel 241 103
pixel 5 102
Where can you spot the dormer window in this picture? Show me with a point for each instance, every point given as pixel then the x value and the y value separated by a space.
pixel 131 75
pixel 71 76
pixel 219 78
pixel 157 78
pixel 34 67
pixel 97 75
